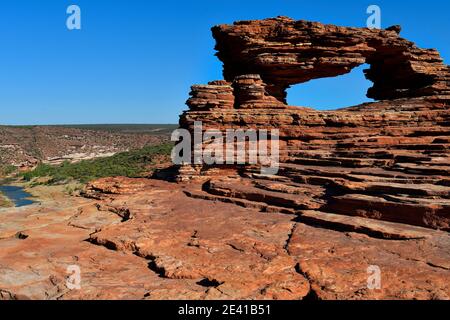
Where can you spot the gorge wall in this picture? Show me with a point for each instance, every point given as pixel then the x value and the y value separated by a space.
pixel 386 160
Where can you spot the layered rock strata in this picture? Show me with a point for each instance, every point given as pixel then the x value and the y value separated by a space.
pixel 388 160
pixel 150 239
pixel 286 52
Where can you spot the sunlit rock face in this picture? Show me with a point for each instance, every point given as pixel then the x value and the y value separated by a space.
pixel 387 160
pixel 286 52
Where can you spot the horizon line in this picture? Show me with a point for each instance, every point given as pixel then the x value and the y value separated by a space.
pixel 88 124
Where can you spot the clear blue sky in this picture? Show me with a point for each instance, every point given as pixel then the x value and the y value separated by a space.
pixel 134 61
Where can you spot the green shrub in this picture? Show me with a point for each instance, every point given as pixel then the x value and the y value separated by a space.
pixel 7 170
pixel 129 164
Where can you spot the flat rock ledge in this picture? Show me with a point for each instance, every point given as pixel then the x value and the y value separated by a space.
pixel 151 239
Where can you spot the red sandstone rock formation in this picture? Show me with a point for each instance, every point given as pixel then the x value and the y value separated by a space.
pixel 150 239
pixel 286 52
pixel 310 232
pixel 386 160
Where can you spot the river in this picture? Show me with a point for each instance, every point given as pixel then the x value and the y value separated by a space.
pixel 17 195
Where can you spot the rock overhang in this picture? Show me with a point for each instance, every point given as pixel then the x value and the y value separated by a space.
pixel 287 52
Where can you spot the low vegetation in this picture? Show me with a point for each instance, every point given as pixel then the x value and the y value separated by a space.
pixel 5 202
pixel 6 170
pixel 134 163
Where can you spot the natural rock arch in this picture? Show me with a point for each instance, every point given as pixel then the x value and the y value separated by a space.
pixel 285 52
pixel 351 161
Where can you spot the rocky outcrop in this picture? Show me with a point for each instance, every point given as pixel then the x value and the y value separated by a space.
pixel 387 160
pixel 178 246
pixel 217 94
pixel 286 52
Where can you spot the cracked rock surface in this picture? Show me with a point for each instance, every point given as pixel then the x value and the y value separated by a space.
pixel 175 246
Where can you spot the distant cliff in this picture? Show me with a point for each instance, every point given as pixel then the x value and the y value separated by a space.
pixel 26 146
